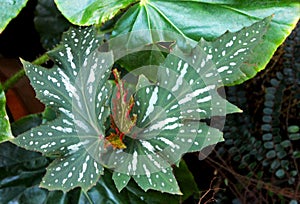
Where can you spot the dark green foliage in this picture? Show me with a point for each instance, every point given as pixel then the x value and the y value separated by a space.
pixel 266 154
pixel 22 171
pixel 50 23
pixel 264 141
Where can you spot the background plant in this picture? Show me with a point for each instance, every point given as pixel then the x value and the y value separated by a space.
pixel 165 13
pixel 262 158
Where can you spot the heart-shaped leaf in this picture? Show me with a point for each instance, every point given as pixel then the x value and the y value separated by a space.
pixel 76 87
pixel 5 131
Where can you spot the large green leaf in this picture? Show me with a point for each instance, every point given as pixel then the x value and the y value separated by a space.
pixel 210 19
pixel 9 10
pixel 79 122
pixel 5 131
pixel 185 180
pixel 88 12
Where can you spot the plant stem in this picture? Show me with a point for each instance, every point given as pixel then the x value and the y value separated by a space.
pixel 87 197
pixel 42 59
pixel 9 83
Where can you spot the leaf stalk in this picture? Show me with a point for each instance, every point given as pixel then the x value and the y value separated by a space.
pixel 9 83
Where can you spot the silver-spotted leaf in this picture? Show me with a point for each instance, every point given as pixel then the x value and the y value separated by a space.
pixel 168 121
pixel 232 52
pixel 163 181
pixel 78 169
pixel 121 180
pixel 77 89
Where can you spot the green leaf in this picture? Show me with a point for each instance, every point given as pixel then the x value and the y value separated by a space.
pixel 50 23
pixel 267 136
pixel 232 52
pixel 58 197
pixel 5 131
pixel 105 192
pixel 280 173
pixel 163 181
pixel 76 89
pixel 90 12
pixel 182 19
pixel 9 10
pixel 120 180
pixel 34 194
pixel 168 126
pixel 296 154
pixel 269 145
pixel 26 123
pixel 185 180
pixel 266 127
pixel 19 169
pixel 142 58
pixel 295 136
pixel 286 143
pixel 275 164
pixel 271 154
pixel 293 129
pixel 18 183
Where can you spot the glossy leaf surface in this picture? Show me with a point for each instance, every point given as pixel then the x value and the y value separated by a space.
pixel 196 19
pixel 5 130
pixel 88 12
pixel 9 10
